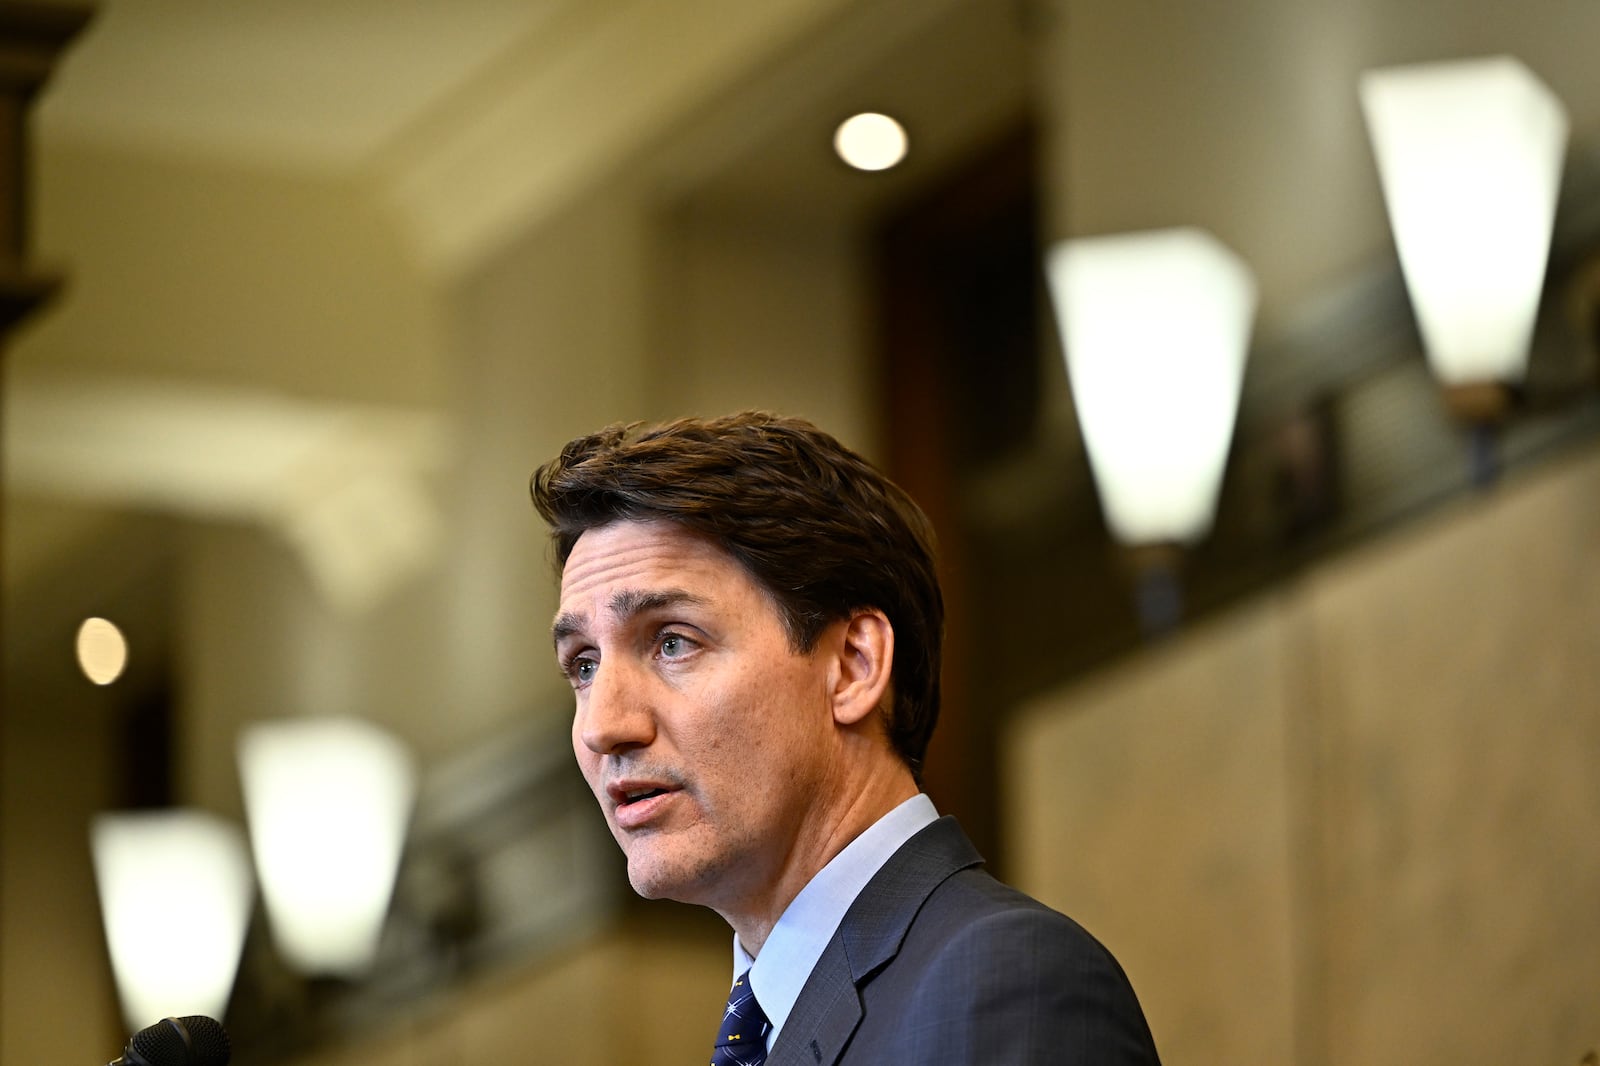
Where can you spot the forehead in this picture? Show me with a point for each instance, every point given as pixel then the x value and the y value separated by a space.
pixel 648 556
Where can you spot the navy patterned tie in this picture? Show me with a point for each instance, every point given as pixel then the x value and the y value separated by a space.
pixel 742 1040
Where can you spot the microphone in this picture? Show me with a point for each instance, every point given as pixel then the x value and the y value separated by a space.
pixel 194 1040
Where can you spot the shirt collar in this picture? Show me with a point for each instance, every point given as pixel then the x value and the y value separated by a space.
pixel 809 922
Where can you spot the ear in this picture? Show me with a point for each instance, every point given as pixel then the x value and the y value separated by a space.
pixel 864 663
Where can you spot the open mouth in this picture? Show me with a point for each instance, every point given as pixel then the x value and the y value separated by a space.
pixel 637 808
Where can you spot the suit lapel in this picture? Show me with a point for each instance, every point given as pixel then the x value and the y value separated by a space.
pixel 828 1009
pixel 827 1012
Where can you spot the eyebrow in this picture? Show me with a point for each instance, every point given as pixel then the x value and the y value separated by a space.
pixel 625 604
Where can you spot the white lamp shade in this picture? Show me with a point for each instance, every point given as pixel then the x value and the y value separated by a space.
pixel 328 801
pixel 175 895
pixel 1156 328
pixel 1469 154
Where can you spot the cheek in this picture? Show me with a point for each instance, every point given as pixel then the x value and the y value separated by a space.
pixel 588 761
pixel 770 728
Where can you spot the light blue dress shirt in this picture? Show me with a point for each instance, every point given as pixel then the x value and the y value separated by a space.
pixel 809 922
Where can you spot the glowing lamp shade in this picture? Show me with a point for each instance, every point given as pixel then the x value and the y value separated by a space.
pixel 328 801
pixel 1469 154
pixel 175 894
pixel 1155 327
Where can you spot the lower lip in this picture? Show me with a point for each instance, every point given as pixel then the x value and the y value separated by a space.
pixel 640 813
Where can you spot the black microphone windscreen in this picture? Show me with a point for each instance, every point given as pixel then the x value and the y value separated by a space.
pixel 194 1040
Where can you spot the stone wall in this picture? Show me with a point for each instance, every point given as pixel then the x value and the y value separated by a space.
pixel 1356 820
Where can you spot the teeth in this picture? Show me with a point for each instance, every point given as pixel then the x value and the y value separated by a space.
pixel 640 793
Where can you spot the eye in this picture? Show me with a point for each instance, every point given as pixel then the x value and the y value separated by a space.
pixel 674 646
pixel 579 669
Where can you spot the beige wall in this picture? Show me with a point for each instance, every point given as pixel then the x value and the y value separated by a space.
pixel 567 1012
pixel 61 762
pixel 1457 700
pixel 1355 821
pixel 1151 804
pixel 761 311
pixel 185 265
pixel 56 983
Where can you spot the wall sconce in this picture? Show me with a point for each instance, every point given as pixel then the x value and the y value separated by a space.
pixel 1469 154
pixel 175 895
pixel 328 801
pixel 1156 329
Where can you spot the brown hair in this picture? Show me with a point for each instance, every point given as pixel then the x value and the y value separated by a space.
pixel 820 528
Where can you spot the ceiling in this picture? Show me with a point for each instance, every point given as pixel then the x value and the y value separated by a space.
pixel 468 121
pixel 319 84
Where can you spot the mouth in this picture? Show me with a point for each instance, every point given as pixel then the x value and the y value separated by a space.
pixel 635 804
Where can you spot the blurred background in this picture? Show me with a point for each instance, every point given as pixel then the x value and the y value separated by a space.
pixel 1321 770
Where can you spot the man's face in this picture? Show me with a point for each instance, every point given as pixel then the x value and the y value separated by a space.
pixel 702 734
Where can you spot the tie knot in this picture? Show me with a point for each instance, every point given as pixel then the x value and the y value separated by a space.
pixel 742 1039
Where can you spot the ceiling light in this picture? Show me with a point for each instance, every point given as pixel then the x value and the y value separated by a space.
pixel 870 141
pixel 102 651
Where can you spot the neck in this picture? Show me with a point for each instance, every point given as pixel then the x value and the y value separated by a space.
pixel 833 830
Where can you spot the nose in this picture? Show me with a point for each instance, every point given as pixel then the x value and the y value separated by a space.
pixel 614 713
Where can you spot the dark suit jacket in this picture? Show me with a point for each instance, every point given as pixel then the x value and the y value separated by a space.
pixel 938 964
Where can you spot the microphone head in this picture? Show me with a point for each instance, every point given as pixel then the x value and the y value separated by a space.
pixel 194 1040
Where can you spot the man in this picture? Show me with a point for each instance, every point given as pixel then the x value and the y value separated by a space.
pixel 751 622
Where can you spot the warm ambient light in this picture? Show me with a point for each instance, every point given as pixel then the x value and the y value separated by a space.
pixel 175 895
pixel 328 801
pixel 1155 327
pixel 870 141
pixel 1469 153
pixel 102 651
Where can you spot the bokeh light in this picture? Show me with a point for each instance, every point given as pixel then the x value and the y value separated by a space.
pixel 870 141
pixel 102 651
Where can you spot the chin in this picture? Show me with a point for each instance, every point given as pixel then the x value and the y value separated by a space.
pixel 668 877
pixel 646 875
pixel 644 884
pixel 652 884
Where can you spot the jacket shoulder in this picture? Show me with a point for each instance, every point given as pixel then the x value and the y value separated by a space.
pixel 987 974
